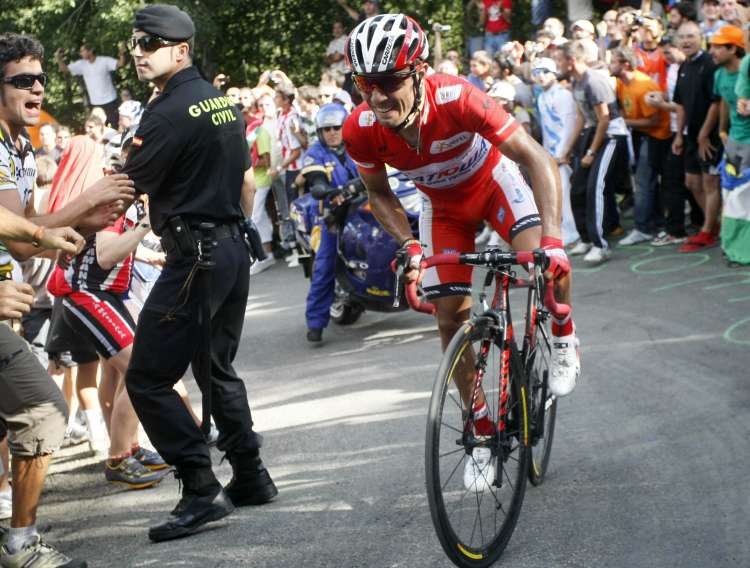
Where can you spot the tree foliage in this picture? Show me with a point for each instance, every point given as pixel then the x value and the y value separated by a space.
pixel 240 38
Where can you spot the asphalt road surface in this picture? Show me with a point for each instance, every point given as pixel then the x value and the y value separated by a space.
pixel 649 467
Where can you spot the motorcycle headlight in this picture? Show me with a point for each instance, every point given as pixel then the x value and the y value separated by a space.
pixel 412 203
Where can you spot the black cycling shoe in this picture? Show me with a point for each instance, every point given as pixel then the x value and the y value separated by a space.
pixel 204 501
pixel 251 484
pixel 315 335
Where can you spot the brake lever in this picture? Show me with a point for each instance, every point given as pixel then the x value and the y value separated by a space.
pixel 397 286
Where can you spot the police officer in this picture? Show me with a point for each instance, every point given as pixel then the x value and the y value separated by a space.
pixel 189 155
pixel 325 166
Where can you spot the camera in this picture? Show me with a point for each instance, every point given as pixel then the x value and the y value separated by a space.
pixel 440 28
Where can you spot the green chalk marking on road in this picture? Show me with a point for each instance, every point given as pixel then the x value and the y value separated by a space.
pixel 745 280
pixel 694 259
pixel 730 332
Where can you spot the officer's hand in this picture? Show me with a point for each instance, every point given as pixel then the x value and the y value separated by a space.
pixel 111 189
pixel 64 239
pixel 16 299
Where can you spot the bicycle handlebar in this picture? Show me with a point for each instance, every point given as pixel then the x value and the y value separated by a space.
pixel 487 258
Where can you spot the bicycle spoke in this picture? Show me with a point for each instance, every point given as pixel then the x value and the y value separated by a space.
pixel 451 428
pixel 446 454
pixel 451 475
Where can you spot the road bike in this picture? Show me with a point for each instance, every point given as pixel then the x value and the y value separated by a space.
pixel 483 361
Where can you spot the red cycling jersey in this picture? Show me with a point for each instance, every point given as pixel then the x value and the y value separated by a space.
pixel 460 129
pixel 462 175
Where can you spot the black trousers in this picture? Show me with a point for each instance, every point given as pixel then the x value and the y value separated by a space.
pixel 166 342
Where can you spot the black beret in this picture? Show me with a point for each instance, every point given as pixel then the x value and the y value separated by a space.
pixel 165 21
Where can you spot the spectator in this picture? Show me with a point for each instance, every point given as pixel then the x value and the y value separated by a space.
pixel 48 136
pixel 554 27
pixel 682 12
pixel 62 139
pixel 233 94
pixel 334 56
pixel 558 119
pixel 583 29
pixel 126 95
pixel 730 12
pixel 448 67
pixel 307 101
pixel 130 116
pixel 505 94
pixel 711 20
pixel 601 153
pixel 496 17
pixel 96 72
pixel 651 60
pixel 480 65
pixel 651 135
pixel 326 93
pixel 700 145
pixel 247 102
pixel 608 31
pixel 94 128
pixel 290 131
pixel 473 28
pixel 370 8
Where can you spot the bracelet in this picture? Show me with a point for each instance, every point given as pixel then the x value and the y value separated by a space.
pixel 409 240
pixel 37 236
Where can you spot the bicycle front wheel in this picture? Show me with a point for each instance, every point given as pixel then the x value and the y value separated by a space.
pixel 475 522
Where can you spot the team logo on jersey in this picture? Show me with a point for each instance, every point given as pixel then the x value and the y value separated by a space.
pixel 439 146
pixel 447 94
pixel 366 118
pixel 501 215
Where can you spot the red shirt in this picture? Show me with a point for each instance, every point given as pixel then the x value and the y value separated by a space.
pixel 654 64
pixel 460 130
pixel 495 22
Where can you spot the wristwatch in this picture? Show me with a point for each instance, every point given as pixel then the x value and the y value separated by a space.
pixel 589 152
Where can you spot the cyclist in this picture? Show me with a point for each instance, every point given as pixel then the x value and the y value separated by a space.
pixel 460 147
pixel 326 164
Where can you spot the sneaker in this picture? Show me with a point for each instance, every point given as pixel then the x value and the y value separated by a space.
pixel 74 435
pixel 293 260
pixel 37 554
pixel 261 265
pixel 699 242
pixel 597 256
pixel 566 365
pixel 579 248
pixel 132 473
pixel 663 239
pixel 315 335
pixel 634 237
pixel 150 459
pixel 479 473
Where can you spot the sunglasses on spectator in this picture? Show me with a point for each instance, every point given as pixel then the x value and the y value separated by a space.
pixel 387 83
pixel 331 128
pixel 26 81
pixel 149 43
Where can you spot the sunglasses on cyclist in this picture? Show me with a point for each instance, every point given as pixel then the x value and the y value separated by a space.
pixel 26 81
pixel 149 43
pixel 387 83
pixel 331 128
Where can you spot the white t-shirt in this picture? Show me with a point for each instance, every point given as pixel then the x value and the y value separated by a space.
pixel 337 45
pixel 557 117
pixel 289 141
pixel 97 77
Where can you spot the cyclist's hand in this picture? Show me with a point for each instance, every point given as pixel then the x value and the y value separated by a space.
pixel 410 256
pixel 559 265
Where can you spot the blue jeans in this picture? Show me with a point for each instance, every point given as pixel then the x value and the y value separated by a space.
pixel 322 282
pixel 474 43
pixel 646 187
pixel 493 42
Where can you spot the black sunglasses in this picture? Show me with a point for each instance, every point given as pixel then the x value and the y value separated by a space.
pixel 331 128
pixel 26 81
pixel 149 43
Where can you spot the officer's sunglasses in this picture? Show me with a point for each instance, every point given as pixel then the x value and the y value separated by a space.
pixel 331 128
pixel 385 83
pixel 26 81
pixel 149 43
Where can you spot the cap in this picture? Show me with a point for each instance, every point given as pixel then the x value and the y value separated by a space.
pixel 584 25
pixel 546 64
pixel 165 21
pixel 131 109
pixel 343 97
pixel 729 35
pixel 502 90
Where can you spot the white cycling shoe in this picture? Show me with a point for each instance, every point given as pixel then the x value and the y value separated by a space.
pixel 566 365
pixel 479 473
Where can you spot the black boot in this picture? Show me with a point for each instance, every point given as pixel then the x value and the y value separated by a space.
pixel 250 484
pixel 203 501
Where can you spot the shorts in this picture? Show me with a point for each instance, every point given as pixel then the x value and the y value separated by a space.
pixel 32 408
pixel 695 165
pixel 102 318
pixel 64 345
pixel 448 224
pixel 35 326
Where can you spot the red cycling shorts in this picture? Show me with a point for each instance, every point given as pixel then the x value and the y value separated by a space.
pixel 449 221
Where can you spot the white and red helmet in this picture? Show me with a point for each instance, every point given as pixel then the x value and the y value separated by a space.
pixel 384 44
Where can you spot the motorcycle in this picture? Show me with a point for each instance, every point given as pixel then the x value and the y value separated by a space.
pixel 364 279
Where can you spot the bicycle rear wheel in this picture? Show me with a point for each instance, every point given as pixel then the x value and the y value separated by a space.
pixel 542 403
pixel 474 525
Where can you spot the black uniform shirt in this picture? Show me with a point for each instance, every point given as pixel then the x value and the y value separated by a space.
pixel 189 153
pixel 694 90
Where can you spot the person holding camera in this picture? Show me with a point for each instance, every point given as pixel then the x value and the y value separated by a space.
pixel 325 166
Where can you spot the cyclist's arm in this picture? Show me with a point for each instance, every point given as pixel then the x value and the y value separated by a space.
pixel 385 205
pixel 545 178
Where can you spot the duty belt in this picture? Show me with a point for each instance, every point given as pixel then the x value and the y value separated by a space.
pixel 180 239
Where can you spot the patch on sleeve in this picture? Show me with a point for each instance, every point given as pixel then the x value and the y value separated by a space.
pixel 137 141
pixel 366 118
pixel 308 161
pixel 448 94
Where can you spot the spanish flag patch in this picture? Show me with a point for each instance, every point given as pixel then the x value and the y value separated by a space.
pixel 137 141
